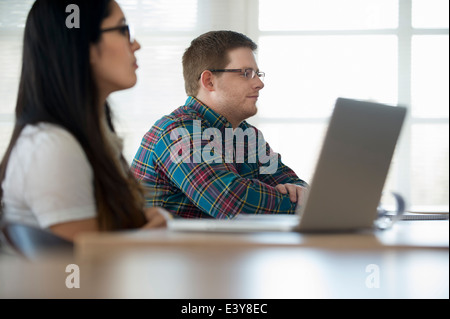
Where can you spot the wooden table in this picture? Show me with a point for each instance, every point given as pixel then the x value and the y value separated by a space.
pixel 409 261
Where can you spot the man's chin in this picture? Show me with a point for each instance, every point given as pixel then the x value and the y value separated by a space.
pixel 251 113
pixel 255 110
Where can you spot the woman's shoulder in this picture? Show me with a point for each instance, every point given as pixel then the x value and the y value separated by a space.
pixel 46 131
pixel 47 136
pixel 47 143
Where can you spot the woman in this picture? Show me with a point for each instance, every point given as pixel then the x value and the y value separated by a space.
pixel 64 169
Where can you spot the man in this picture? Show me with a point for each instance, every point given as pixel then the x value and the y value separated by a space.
pixel 204 160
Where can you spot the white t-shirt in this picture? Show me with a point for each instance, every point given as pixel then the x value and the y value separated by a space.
pixel 49 179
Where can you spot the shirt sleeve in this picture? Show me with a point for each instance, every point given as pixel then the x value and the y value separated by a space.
pixel 59 182
pixel 215 187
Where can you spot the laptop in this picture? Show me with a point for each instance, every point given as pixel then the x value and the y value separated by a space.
pixel 348 180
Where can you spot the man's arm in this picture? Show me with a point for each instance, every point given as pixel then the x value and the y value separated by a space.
pixel 283 175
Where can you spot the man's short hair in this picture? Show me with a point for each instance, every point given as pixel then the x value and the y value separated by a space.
pixel 210 51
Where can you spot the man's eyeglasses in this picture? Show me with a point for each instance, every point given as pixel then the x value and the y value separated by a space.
pixel 247 73
pixel 123 29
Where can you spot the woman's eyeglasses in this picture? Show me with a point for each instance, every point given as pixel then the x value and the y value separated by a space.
pixel 123 29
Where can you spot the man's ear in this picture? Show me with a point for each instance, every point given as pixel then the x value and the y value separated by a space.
pixel 207 80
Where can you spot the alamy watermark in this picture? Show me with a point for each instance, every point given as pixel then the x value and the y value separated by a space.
pixel 221 149
pixel 73 19
pixel 373 279
pixel 73 280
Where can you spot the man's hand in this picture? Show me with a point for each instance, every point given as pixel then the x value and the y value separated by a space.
pixel 157 217
pixel 297 194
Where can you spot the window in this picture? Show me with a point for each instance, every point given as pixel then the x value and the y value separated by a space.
pixel 313 51
pixel 302 15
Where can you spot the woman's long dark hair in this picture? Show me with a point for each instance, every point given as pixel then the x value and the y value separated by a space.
pixel 57 86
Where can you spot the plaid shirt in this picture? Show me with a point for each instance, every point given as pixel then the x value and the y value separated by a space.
pixel 204 188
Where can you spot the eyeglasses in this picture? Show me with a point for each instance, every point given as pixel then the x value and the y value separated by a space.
pixel 123 29
pixel 247 73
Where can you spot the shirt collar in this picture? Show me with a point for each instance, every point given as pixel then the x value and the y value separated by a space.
pixel 215 119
